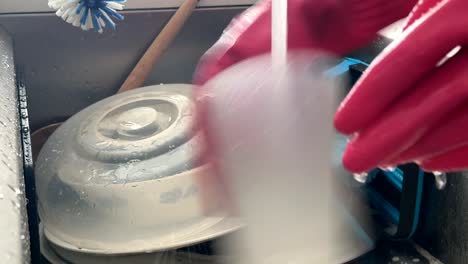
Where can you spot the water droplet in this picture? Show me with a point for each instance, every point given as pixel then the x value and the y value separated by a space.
pixel 389 168
pixel 395 259
pixel 360 177
pixel 22 237
pixel 16 204
pixel 351 137
pixel 416 260
pixel 440 179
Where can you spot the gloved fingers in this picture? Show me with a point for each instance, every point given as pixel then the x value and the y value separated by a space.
pixel 401 66
pixel 447 134
pixel 337 26
pixel 408 119
pixel 247 35
pixel 375 15
pixel 455 160
pixel 421 8
pixel 341 26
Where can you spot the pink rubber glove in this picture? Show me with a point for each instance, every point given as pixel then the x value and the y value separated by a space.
pixel 405 107
pixel 337 26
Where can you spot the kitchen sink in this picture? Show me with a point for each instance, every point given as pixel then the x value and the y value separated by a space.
pixel 49 71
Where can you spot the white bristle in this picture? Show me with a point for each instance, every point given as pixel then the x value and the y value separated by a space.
pixel 70 4
pixel 89 23
pixel 114 5
pixel 76 22
pixel 66 13
pixel 60 12
pixel 70 19
pixel 61 3
pixel 107 17
pixel 101 22
pixel 72 12
pixel 65 16
pixel 66 9
pixel 71 16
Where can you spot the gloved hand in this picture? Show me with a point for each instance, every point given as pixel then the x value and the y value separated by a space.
pixel 336 26
pixel 409 106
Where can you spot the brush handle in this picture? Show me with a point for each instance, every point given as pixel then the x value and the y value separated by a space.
pixel 143 68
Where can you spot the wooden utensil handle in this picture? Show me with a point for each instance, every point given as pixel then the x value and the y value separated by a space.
pixel 143 68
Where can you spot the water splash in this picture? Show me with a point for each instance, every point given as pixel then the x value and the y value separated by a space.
pixel 440 179
pixel 360 177
pixel 388 168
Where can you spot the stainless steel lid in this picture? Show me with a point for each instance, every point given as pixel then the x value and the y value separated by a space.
pixel 118 177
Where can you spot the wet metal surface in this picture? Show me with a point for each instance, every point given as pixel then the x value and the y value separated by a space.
pixel 14 242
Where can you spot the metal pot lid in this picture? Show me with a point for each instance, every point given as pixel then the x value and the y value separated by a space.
pixel 140 126
pixel 130 137
pixel 120 175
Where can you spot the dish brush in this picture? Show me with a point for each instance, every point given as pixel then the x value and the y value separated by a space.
pixel 89 14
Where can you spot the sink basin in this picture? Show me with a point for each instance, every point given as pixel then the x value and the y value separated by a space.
pixel 64 70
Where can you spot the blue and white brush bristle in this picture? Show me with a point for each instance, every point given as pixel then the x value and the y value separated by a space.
pixel 89 14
